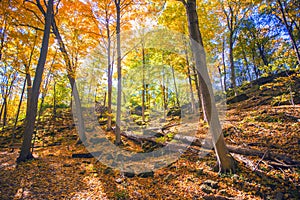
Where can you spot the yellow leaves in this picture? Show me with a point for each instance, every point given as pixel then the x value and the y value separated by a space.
pixel 262 7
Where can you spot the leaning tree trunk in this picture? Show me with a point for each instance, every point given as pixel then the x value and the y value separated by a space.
pixel 71 76
pixel 30 118
pixel 225 160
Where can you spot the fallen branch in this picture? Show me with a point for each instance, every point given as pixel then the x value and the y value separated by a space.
pixel 238 150
pixel 287 161
pixel 267 155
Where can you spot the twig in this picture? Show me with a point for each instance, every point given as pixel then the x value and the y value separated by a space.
pixel 260 160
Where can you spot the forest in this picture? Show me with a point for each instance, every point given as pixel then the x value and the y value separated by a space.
pixel 150 99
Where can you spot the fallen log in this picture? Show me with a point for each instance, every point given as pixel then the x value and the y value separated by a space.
pixel 271 156
pixel 267 155
pixel 138 139
pixel 233 149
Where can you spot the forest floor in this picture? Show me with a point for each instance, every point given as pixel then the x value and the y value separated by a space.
pixel 54 174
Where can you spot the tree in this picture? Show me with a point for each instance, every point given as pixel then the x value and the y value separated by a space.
pixel 31 117
pixel 235 12
pixel 119 71
pixel 103 15
pixel 225 160
pixel 286 12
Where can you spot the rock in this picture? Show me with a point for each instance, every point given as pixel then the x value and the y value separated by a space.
pixel 175 111
pixel 108 170
pixel 146 174
pixel 129 174
pixel 205 188
pixel 238 98
pixel 119 180
pixel 211 183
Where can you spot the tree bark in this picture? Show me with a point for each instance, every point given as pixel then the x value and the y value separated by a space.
pixel 175 85
pixel 28 77
pixel 119 71
pixel 224 64
pixel 31 117
pixel 109 78
pixel 247 65
pixel 5 100
pixel 29 90
pixel 225 160
pixel 143 83
pixel 54 98
pixel 232 67
pixel 197 86
pixel 221 81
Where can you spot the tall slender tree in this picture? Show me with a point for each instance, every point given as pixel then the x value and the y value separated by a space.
pixel 31 117
pixel 225 160
pixel 119 71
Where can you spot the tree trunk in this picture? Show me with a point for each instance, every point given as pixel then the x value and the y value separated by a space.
pixel 197 86
pixel 18 113
pixel 104 99
pixel 5 103
pixel 1 111
pixel 225 160
pixel 109 77
pixel 79 116
pixel 262 54
pixel 143 82
pixel 290 31
pixel 232 67
pixel 30 118
pixel 255 69
pixel 221 81
pixel 54 98
pixel 189 77
pixel 224 64
pixel 4 112
pixel 175 85
pixel 119 71
pixel 191 91
pixel 29 91
pixel 71 76
pixel 163 90
pixel 247 65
